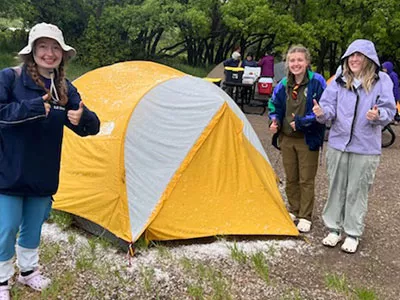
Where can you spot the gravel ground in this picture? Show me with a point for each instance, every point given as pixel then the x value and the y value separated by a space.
pixel 297 268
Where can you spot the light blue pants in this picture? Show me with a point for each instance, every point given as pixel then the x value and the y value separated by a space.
pixel 350 177
pixel 26 215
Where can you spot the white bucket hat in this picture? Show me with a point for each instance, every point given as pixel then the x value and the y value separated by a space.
pixel 49 31
pixel 236 55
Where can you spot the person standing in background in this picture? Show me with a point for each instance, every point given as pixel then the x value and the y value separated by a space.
pixel 234 61
pixel 249 61
pixel 387 67
pixel 267 65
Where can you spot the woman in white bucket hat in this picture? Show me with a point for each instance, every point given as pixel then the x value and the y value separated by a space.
pixel 36 101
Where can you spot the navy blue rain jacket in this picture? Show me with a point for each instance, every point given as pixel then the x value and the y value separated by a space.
pixel 30 142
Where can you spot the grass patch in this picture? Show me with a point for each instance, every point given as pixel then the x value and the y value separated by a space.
pixel 85 260
pixel 72 238
pixel 195 71
pixel 104 242
pixel 337 282
pixel 75 70
pixel 17 292
pixel 219 284
pixel 163 251
pixel 186 263
pixel 180 65
pixel 62 219
pixel 202 277
pixel 48 251
pixel 238 254
pixel 141 243
pixel 92 242
pixel 60 286
pixel 261 265
pixel 196 291
pixel 95 293
pixel 147 275
pixel 365 294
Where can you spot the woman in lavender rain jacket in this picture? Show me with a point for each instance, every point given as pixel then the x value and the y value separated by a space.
pixel 358 103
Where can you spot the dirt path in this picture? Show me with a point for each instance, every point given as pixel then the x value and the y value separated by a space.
pixel 377 263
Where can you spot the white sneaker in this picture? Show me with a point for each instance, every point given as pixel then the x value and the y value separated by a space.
pixel 304 225
pixel 332 239
pixel 350 244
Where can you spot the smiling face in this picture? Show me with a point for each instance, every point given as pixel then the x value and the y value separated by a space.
pixel 48 55
pixel 297 64
pixel 356 63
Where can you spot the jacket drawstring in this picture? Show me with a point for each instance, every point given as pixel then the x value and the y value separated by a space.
pixel 53 90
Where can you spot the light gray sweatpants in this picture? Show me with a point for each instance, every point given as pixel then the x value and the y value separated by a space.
pixel 350 178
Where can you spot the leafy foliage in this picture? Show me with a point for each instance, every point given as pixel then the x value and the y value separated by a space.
pixel 204 32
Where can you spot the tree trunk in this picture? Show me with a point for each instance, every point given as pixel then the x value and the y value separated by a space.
pixel 321 56
pixel 332 58
pixel 156 41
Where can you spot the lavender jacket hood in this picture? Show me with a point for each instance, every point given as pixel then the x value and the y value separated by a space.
pixel 351 131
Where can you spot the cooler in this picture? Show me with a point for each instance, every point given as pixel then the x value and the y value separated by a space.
pixel 249 79
pixel 265 86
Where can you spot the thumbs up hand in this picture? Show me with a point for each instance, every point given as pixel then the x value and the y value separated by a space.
pixel 317 110
pixel 373 113
pixel 74 116
pixel 274 126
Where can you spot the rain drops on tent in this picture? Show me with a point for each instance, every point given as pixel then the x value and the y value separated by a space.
pixel 175 159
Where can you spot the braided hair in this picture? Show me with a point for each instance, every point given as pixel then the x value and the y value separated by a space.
pixel 60 79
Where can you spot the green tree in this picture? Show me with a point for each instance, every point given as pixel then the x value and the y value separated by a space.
pixel 70 15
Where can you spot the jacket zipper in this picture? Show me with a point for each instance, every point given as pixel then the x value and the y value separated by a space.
pixel 354 119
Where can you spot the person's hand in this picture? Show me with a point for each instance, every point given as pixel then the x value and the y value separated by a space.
pixel 74 116
pixel 46 104
pixel 293 124
pixel 317 110
pixel 274 126
pixel 373 114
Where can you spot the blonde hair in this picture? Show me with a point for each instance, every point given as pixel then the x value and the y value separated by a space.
pixel 295 49
pixel 367 74
pixel 60 80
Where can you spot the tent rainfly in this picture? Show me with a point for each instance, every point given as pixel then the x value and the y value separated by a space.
pixel 175 158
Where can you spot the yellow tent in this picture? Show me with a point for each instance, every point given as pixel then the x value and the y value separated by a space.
pixel 175 159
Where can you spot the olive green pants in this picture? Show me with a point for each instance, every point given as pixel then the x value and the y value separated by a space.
pixel 300 166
